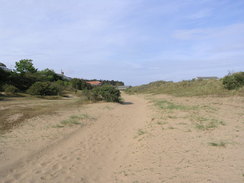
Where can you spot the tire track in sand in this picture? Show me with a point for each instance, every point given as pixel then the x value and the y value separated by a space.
pixel 90 154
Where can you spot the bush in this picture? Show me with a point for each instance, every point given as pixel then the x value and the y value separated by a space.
pixel 10 89
pixel 43 89
pixel 105 92
pixel 4 77
pixel 80 84
pixel 233 81
pixel 48 75
pixel 59 85
pixel 21 81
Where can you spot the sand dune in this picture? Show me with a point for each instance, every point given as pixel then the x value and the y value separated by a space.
pixel 134 142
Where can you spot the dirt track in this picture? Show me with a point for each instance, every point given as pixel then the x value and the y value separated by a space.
pixel 127 143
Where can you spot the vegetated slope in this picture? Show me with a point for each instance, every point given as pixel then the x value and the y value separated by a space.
pixel 187 88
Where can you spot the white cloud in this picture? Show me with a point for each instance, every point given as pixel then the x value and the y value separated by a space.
pixel 119 39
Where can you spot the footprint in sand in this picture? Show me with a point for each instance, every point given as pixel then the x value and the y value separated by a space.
pixel 56 167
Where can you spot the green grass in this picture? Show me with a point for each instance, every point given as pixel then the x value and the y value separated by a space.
pixel 186 88
pixel 74 120
pixel 140 132
pixel 203 123
pixel 218 144
pixel 80 117
pixel 161 122
pixel 58 126
pixel 164 104
pixel 70 122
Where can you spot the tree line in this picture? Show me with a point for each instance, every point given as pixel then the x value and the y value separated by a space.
pixel 25 78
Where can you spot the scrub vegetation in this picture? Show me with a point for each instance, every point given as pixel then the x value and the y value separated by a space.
pixel 232 84
pixel 26 79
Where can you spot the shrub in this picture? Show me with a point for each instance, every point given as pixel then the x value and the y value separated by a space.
pixel 89 94
pixel 4 77
pixel 10 89
pixel 22 81
pixel 80 84
pixel 233 81
pixel 59 85
pixel 105 92
pixel 43 88
pixel 48 75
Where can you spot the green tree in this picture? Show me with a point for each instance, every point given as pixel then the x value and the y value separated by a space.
pixel 79 84
pixel 48 75
pixel 24 66
pixel 233 81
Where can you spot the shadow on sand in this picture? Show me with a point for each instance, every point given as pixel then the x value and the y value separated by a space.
pixel 126 103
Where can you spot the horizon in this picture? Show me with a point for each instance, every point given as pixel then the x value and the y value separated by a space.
pixel 135 42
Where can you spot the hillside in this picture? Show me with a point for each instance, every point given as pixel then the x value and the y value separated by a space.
pixel 187 88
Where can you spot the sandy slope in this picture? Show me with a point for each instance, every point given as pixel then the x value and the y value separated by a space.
pixel 134 142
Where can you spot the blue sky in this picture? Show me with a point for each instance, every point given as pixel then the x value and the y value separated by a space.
pixel 136 41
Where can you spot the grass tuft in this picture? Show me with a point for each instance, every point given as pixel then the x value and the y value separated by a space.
pixel 164 104
pixel 218 144
pixel 70 122
pixel 141 132
pixel 162 122
pixel 203 123
pixel 74 120
pixel 58 126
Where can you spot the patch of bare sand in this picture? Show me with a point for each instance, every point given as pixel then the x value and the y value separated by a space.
pixel 174 149
pixel 88 154
pixel 136 142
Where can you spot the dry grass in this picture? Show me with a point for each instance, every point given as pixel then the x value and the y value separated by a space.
pixel 164 104
pixel 203 123
pixel 15 110
pixel 140 132
pixel 74 120
pixel 201 117
pixel 187 88
pixel 218 144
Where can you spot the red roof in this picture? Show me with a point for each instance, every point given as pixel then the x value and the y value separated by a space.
pixel 94 82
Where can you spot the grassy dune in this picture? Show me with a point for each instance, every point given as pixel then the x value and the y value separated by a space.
pixel 187 88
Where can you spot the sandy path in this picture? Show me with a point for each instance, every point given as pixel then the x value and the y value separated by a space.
pixel 90 154
pixel 135 143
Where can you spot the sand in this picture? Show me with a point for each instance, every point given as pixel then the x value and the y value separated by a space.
pixel 134 142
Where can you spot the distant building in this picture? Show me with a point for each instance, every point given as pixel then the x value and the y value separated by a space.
pixel 64 77
pixel 94 83
pixel 206 78
pixel 3 66
pixel 123 87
